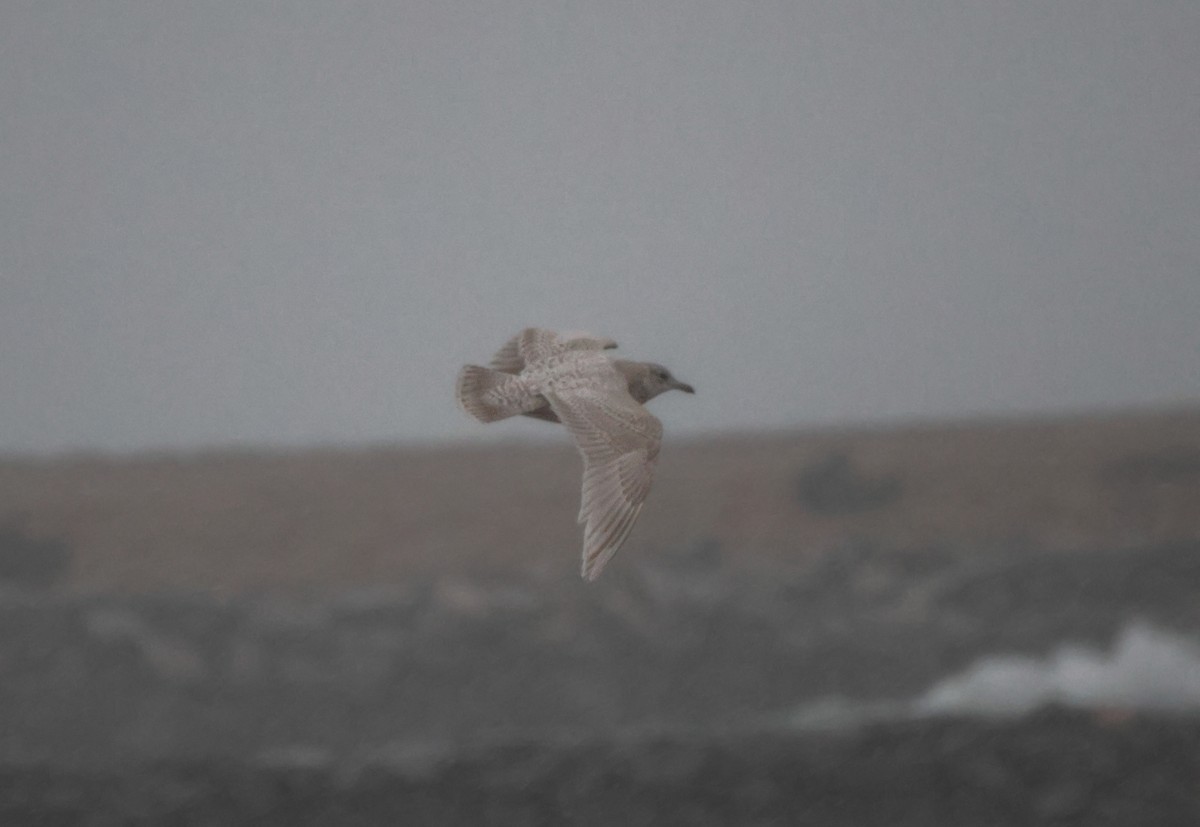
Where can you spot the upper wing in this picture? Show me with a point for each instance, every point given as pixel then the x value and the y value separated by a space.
pixel 511 359
pixel 619 441
pixel 508 359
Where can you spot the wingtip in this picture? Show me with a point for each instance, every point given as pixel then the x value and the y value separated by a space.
pixel 593 564
pixel 591 572
pixel 473 381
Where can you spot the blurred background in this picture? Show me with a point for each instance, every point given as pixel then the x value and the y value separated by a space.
pixel 923 549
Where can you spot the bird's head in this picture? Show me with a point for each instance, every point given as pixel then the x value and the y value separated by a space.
pixel 654 379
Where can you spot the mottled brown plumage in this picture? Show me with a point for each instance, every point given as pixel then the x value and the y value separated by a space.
pixel 570 380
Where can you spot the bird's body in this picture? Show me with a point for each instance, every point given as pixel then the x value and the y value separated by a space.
pixel 570 379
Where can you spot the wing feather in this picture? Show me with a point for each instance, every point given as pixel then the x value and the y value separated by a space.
pixel 509 358
pixel 535 344
pixel 619 441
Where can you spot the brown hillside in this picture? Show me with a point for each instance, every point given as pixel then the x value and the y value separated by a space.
pixel 326 519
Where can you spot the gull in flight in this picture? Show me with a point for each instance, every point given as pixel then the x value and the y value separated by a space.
pixel 568 378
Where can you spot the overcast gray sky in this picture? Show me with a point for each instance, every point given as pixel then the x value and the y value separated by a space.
pixel 285 222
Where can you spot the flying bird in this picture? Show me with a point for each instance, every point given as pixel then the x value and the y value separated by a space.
pixel 568 378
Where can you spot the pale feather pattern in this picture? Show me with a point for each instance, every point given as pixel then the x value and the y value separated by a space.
pixel 489 395
pixel 508 359
pixel 619 441
pixel 568 378
pixel 537 345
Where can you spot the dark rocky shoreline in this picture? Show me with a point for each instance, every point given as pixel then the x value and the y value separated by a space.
pixel 660 697
pixel 1053 767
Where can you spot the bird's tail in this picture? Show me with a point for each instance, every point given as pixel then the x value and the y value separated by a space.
pixel 489 395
